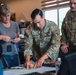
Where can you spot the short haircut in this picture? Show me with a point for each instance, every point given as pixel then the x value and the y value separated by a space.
pixel 36 12
pixel 4 9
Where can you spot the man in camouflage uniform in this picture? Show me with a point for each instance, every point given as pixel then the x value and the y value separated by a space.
pixel 68 39
pixel 43 41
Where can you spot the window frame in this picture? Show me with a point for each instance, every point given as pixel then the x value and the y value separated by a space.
pixel 58 13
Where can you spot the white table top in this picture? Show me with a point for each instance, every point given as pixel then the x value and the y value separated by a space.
pixel 22 70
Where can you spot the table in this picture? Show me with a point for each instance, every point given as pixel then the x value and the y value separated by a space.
pixel 23 71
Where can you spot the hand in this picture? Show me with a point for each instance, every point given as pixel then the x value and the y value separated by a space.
pixel 16 40
pixel 39 63
pixel 5 38
pixel 27 64
pixel 64 48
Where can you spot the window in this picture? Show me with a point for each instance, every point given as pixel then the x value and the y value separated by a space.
pixel 55 10
pixel 51 15
pixel 56 15
pixel 62 13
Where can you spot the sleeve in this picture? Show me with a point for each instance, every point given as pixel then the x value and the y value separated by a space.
pixel 65 22
pixel 64 33
pixel 28 46
pixel 53 50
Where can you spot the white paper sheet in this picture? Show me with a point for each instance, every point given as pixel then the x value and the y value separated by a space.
pixel 20 71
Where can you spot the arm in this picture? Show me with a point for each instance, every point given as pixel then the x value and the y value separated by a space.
pixel 1 38
pixel 27 61
pixel 53 50
pixel 17 39
pixel 40 61
pixel 28 51
pixel 65 28
pixel 64 33
pixel 64 44
pixel 5 38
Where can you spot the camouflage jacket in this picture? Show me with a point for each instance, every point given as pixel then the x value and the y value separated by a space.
pixel 69 28
pixel 43 41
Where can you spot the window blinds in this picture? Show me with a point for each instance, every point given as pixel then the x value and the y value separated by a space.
pixel 48 4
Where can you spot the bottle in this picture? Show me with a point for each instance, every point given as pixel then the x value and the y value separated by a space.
pixel 57 65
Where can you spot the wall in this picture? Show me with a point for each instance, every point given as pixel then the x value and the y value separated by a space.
pixel 22 8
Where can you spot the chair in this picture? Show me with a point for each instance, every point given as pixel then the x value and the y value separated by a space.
pixel 68 65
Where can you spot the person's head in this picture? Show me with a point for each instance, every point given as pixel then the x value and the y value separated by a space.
pixel 37 18
pixel 73 5
pixel 4 13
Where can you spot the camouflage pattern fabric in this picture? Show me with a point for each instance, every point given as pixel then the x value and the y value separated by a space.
pixel 69 29
pixel 43 41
